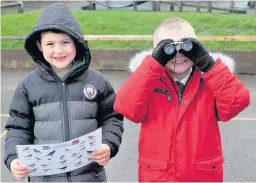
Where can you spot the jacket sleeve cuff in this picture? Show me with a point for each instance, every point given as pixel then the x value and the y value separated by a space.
pixel 9 160
pixel 113 149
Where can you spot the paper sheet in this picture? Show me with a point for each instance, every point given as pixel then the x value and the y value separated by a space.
pixel 49 159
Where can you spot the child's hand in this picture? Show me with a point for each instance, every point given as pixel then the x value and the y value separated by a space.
pixel 159 52
pixel 102 156
pixel 198 55
pixel 18 171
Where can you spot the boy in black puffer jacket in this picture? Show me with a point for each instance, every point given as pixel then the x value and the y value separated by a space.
pixel 62 99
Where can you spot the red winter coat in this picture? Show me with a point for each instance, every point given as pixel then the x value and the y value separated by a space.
pixel 180 140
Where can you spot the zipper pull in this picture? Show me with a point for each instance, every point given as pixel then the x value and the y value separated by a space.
pixel 63 86
pixel 180 98
pixel 168 97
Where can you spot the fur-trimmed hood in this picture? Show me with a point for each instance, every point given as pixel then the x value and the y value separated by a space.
pixel 137 59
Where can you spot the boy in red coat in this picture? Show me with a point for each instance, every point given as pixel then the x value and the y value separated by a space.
pixel 179 95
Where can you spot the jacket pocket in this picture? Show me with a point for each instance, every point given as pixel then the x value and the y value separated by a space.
pixel 152 164
pixel 210 164
pixel 152 170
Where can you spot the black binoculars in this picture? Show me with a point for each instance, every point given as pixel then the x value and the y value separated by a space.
pixel 186 46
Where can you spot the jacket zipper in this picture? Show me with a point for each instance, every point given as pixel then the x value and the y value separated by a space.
pixel 179 98
pixel 66 121
pixel 178 93
pixel 174 144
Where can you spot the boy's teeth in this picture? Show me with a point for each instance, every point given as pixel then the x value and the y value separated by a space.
pixel 180 62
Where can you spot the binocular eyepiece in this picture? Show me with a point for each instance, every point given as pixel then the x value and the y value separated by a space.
pixel 170 48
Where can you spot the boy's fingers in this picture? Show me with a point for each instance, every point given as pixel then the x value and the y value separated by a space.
pixel 102 162
pixel 19 172
pixel 99 152
pixel 19 177
pixel 20 168
pixel 100 157
pixel 102 150
pixel 95 157
pixel 96 153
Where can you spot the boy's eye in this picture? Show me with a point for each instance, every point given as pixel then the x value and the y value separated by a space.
pixel 65 42
pixel 49 44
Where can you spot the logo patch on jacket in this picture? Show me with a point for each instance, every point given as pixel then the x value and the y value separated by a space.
pixel 90 91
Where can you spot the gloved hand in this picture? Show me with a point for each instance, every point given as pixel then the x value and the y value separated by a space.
pixel 198 55
pixel 160 56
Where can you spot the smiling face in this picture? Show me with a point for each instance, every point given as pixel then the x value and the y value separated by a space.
pixel 180 64
pixel 58 49
pixel 176 29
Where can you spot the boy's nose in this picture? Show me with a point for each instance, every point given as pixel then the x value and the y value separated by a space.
pixel 178 47
pixel 58 49
pixel 179 55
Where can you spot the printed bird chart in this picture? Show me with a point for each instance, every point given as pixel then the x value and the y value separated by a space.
pixel 49 159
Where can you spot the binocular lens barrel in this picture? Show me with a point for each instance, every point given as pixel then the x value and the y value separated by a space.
pixel 186 46
pixel 169 49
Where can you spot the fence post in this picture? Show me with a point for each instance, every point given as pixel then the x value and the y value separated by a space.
pixel 21 7
pixel 232 4
pixel 209 6
pixel 180 6
pixel 157 6
pixel 171 7
pixel 198 8
pixel 92 5
pixel 135 5
pixel 153 5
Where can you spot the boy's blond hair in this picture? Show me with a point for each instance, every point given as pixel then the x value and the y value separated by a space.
pixel 173 23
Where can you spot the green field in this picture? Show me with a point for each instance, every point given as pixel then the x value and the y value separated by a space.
pixel 113 22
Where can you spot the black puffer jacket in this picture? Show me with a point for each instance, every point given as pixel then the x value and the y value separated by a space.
pixel 47 109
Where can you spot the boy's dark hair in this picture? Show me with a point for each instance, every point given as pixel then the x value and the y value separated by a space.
pixel 50 30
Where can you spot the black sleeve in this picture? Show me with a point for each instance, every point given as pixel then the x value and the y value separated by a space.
pixel 20 125
pixel 110 121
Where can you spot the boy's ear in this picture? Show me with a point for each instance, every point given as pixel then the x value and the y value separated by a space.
pixel 39 46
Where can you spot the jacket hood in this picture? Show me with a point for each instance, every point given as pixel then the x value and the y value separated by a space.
pixel 56 17
pixel 137 59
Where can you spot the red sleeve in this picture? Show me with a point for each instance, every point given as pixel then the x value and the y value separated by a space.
pixel 131 99
pixel 230 94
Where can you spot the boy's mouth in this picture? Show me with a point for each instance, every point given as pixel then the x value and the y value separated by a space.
pixel 59 58
pixel 178 62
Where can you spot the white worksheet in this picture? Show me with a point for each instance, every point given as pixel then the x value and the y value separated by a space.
pixel 49 159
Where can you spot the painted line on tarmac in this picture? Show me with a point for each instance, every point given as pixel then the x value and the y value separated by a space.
pixel 3 133
pixel 8 88
pixel 243 119
pixel 5 115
